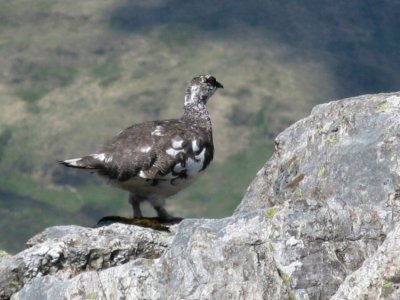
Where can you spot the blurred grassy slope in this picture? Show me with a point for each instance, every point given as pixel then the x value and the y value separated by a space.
pixel 18 228
pixel 74 73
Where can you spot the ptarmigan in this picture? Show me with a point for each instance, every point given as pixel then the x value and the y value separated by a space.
pixel 154 160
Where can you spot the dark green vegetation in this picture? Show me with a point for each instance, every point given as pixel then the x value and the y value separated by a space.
pixel 74 73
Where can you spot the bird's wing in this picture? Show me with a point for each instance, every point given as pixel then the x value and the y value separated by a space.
pixel 154 150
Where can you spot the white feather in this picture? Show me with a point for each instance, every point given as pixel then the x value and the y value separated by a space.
pixel 145 149
pixel 194 166
pixel 195 146
pixel 72 161
pixel 102 157
pixel 142 174
pixel 159 131
pixel 173 152
pixel 177 144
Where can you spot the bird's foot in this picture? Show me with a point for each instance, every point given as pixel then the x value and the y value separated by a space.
pixel 165 218
pixel 169 220
pixel 153 223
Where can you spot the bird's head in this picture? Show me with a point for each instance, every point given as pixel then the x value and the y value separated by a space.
pixel 200 89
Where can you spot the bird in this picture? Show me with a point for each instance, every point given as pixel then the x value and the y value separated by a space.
pixel 155 160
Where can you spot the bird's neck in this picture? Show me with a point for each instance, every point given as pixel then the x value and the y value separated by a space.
pixel 197 113
pixel 196 96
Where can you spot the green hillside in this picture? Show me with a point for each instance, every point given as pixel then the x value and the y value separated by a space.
pixel 75 72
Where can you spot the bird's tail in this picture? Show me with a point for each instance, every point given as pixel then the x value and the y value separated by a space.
pixel 86 162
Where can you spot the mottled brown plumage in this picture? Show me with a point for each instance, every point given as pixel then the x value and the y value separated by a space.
pixel 154 160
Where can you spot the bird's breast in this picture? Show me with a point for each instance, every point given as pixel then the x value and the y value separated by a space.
pixel 191 166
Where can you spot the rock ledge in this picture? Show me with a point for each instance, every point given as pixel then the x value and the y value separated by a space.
pixel 320 220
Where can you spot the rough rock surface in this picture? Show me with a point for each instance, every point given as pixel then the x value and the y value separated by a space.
pixel 320 220
pixel 66 251
pixel 379 276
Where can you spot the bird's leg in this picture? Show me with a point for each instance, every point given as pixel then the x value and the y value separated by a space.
pixel 137 213
pixel 158 205
pixel 155 223
pixel 162 213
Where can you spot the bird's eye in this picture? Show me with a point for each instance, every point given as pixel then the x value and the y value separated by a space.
pixel 211 80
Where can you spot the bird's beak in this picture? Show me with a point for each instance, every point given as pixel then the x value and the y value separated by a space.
pixel 218 85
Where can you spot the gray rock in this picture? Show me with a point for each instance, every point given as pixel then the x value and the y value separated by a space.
pixel 66 251
pixel 379 275
pixel 238 268
pixel 320 220
pixel 332 191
